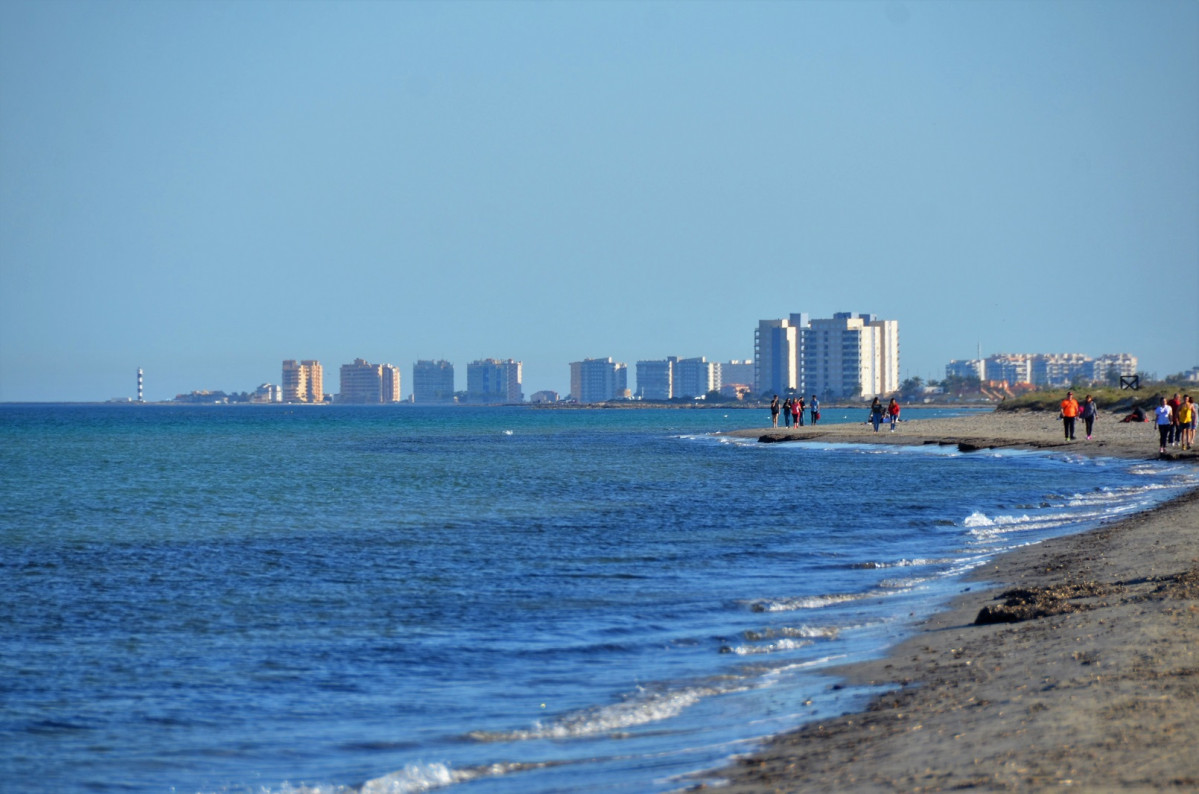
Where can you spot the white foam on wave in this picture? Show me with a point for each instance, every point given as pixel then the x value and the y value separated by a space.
pixel 904 583
pixel 982 526
pixel 641 708
pixel 913 563
pixel 783 644
pixel 806 602
pixel 412 779
pixel 805 631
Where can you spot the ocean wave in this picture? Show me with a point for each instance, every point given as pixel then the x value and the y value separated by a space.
pixel 917 562
pixel 806 602
pixel 807 632
pixel 980 525
pixel 783 644
pixel 1062 510
pixel 641 708
pixel 904 583
pixel 414 778
pixel 783 638
pixel 409 780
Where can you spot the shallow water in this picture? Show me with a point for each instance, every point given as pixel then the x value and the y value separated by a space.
pixel 253 599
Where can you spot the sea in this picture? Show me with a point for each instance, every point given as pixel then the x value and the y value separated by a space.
pixel 333 599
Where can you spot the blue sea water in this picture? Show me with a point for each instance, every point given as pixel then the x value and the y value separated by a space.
pixel 396 599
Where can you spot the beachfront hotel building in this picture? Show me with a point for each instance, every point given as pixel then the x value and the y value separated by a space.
pixel 597 380
pixel 432 382
pixel 846 356
pixel 695 377
pixel 674 377
pixel 776 352
pixel 493 381
pixel 302 382
pixel 655 379
pixel 1045 370
pixel 736 373
pixel 363 383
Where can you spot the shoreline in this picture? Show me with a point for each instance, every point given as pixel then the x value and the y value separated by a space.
pixel 1032 430
pixel 1087 679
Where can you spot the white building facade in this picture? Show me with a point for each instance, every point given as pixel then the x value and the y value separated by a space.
pixel 846 356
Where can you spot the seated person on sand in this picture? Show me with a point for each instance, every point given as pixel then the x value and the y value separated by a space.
pixel 1137 415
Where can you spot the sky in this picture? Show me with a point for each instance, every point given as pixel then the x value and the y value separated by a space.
pixel 203 189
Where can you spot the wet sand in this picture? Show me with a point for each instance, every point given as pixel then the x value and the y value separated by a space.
pixel 1071 664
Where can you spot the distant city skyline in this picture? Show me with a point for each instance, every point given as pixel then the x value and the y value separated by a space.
pixel 204 189
pixel 670 377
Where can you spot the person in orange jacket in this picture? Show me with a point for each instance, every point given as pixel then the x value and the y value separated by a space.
pixel 1069 414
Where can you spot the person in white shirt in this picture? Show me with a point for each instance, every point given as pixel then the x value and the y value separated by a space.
pixel 1165 422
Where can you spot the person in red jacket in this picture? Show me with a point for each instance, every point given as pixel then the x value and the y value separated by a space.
pixel 893 413
pixel 1069 414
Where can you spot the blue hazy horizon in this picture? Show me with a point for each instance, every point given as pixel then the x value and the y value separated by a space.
pixel 206 189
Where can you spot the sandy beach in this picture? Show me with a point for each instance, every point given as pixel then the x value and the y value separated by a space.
pixel 1071 664
pixel 985 430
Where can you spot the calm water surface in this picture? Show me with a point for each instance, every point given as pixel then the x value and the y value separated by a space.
pixel 334 599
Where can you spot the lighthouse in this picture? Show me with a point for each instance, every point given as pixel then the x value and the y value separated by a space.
pixel 139 385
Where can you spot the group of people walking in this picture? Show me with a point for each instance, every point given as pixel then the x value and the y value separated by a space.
pixel 1072 411
pixel 1176 419
pixel 792 410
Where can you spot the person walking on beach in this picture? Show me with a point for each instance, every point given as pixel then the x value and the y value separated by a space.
pixel 1175 432
pixel 1089 412
pixel 1165 420
pixel 800 403
pixel 1068 415
pixel 796 412
pixel 876 413
pixel 893 413
pixel 1190 431
pixel 1186 421
pixel 774 411
pixel 815 406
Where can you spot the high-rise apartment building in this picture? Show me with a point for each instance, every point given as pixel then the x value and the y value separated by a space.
pixel 365 383
pixel 302 382
pixel 493 381
pixel 737 372
pixel 776 352
pixel 695 377
pixel 596 380
pixel 851 356
pixel 433 382
pixel 845 356
pixel 655 379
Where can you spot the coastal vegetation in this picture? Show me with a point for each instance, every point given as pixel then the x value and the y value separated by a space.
pixel 1108 398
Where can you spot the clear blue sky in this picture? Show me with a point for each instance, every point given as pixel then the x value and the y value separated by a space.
pixel 204 189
